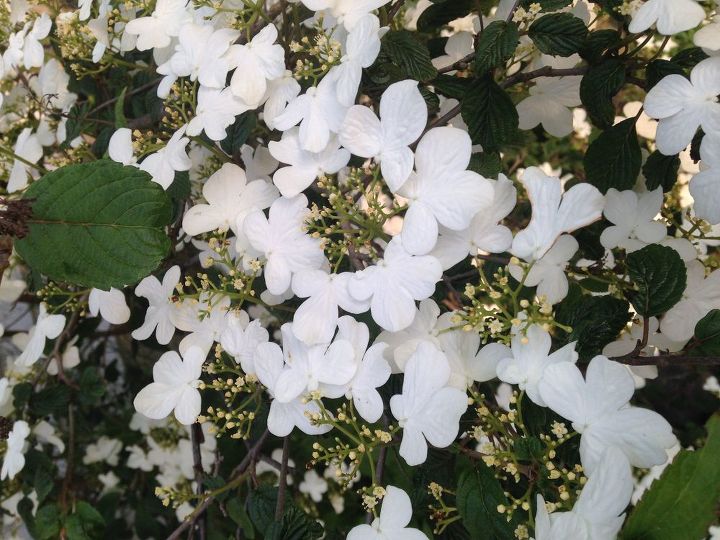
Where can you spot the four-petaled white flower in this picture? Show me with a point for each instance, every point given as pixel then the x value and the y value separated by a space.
pixel 283 241
pixel 361 50
pixel 683 105
pixel 633 218
pixel 14 459
pixel 230 197
pixel 704 186
pixel 241 337
pixel 46 327
pixel 159 314
pixel 215 112
pixel 550 103
pixel 553 212
pixel 403 115
pixel 427 408
pixel 392 523
pixel 303 166
pixel 394 283
pixel 163 164
pixel 347 12
pixel 529 356
pixel 670 16
pixel 157 30
pixel 111 305
pixel 599 410
pixel 174 387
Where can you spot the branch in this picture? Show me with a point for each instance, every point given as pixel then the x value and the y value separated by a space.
pixel 670 360
pixel 282 487
pixel 198 438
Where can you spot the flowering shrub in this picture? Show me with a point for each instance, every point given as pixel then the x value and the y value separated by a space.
pixel 364 269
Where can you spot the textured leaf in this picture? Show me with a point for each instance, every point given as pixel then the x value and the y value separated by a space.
pixel 559 34
pixel 660 276
pixel 707 335
pixel 238 133
pixel 96 224
pixel 598 87
pixel 496 45
pixel 452 87
pixel 478 495
pixel 409 54
pixel 442 13
pixel 489 113
pixel 613 160
pixel 661 170
pixel 597 43
pixel 682 503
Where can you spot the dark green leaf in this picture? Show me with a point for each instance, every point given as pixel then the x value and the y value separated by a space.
pixel 85 524
pixel 547 5
pixel 478 495
pixel 295 525
pixel 452 87
pixel 661 170
pixel 50 400
pixel 43 484
pixel 658 69
pixel 92 386
pixel 490 114
pixel 442 13
pixel 682 503
pixel 21 394
pixel 598 87
pixel 660 276
pixel 496 45
pixel 261 506
pixel 236 511
pixel 96 224
pixel 595 320
pixel 487 164
pixel 707 335
pixel 47 522
pixel 689 57
pixel 238 133
pixel 411 56
pixel 613 160
pixel 558 34
pixel 597 43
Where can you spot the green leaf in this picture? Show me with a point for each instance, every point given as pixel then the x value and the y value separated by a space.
pixel 96 224
pixel 120 121
pixel 85 524
pixel 261 506
pixel 442 13
pixel 236 511
pixel 411 56
pixel 660 277
pixel 659 69
pixel 295 525
pixel 21 394
pixel 50 400
pixel 92 386
pixel 597 89
pixel 613 160
pixel 547 5
pixel 707 335
pixel 661 170
pixel 487 164
pixel 238 133
pixel 496 45
pixel 595 320
pixel 597 43
pixel 558 34
pixel 47 522
pixel 478 495
pixel 683 502
pixel 452 87
pixel 490 114
pixel 43 484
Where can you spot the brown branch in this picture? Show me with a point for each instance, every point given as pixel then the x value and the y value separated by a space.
pixel 670 360
pixel 197 438
pixel 282 486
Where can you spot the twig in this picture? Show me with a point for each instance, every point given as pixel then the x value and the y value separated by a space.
pixel 670 360
pixel 282 487
pixel 460 64
pixel 395 9
pixel 197 437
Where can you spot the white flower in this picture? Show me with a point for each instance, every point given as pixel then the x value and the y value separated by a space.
pixel 304 167
pixel 33 53
pixel 309 368
pixel 484 233
pixel 51 85
pixel 279 93
pixel 230 198
pixel 259 162
pixel 120 147
pixel 708 37
pixel 215 112
pixel 163 164
pixel 46 327
pixel 111 305
pixel 174 387
pixel 161 306
pixel 554 213
pixel 458 46
pixel 403 114
pixel 599 410
pixel 704 186
pixel 256 63
pixel 441 191
pixel 671 16
pixel 701 295
pixel 45 433
pixel 200 55
pixel 372 370
pixel 206 320
pixel 104 450
pixel 529 357
pixel 598 512
pixel 633 218
pixel 550 103
pixel 14 459
pixel 28 147
pixel 394 283
pixel 548 272
pixel 684 105
pixel 347 12
pixel 318 112
pixel 241 337
pixel 361 50
pixel 395 514
pixel 283 417
pixel 281 238
pixel 313 485
pixel 316 318
pixel 427 408
pixel 157 30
